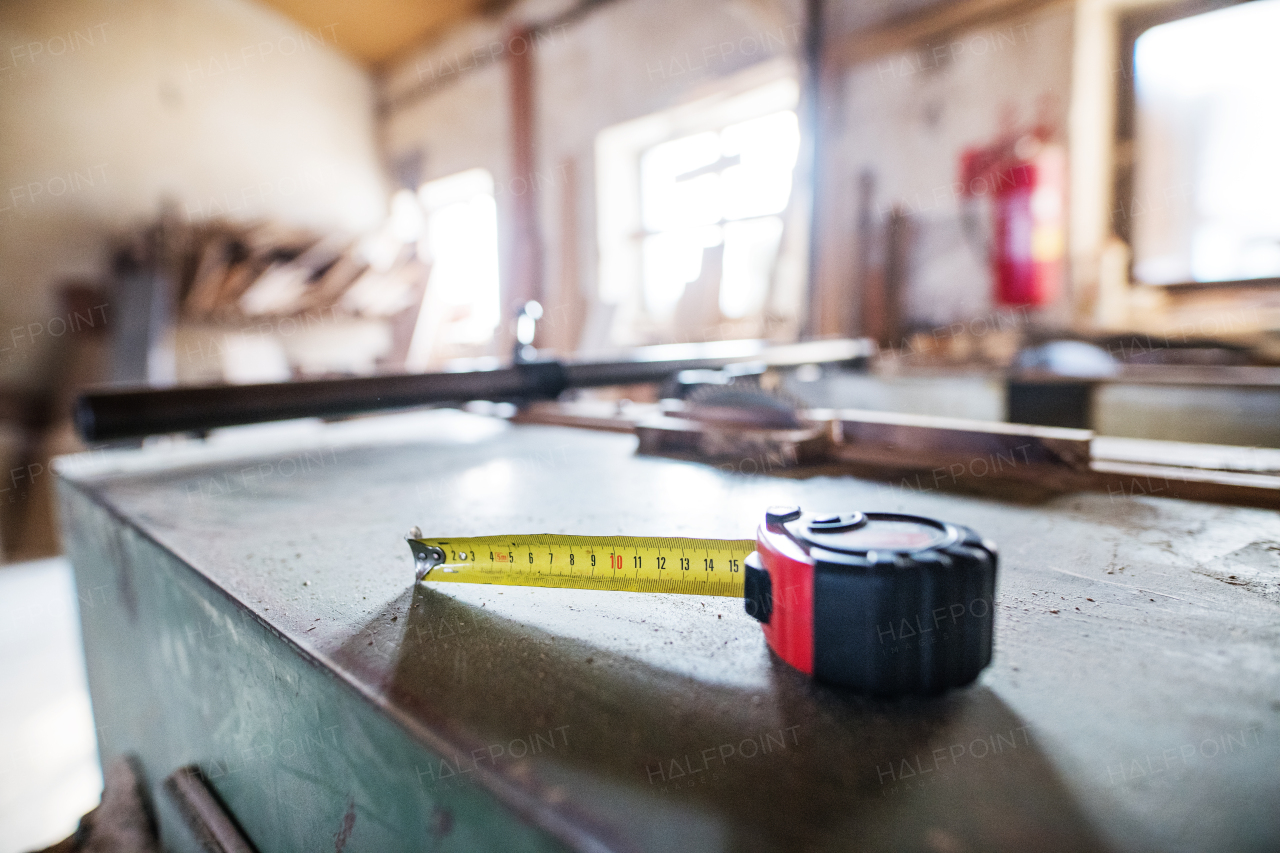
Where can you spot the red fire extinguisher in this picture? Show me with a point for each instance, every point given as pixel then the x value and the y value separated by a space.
pixel 1024 175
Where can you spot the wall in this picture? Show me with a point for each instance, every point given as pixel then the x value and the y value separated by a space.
pixel 902 119
pixel 625 60
pixel 107 108
pixel 900 116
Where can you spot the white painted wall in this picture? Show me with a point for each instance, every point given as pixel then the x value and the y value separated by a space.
pixel 223 107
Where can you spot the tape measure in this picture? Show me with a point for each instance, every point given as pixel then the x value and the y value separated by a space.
pixel 618 563
pixel 883 603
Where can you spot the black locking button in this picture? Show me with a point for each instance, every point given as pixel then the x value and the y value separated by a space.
pixel 757 588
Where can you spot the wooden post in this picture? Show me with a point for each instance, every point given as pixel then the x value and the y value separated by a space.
pixel 811 129
pixel 526 281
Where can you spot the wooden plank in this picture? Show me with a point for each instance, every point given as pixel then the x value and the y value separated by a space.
pixel 1055 445
pixel 1241 376
pixel 587 414
pixel 1209 457
pixel 952 451
pixel 959 448
pixel 1119 478
pixel 956 451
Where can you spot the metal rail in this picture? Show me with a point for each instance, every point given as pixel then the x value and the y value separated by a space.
pixel 114 414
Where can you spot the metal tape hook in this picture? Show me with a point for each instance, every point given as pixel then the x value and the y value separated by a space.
pixel 425 557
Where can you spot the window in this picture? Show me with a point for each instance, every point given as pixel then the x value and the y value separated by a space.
pixel 695 215
pixel 710 191
pixel 1207 132
pixel 459 240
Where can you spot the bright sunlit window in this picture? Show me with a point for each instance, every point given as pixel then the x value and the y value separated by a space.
pixel 1208 147
pixel 717 192
pixel 460 242
pixel 700 237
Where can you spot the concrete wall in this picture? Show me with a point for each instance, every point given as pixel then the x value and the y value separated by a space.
pixel 107 108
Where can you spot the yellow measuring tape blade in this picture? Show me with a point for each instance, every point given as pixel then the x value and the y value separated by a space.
pixel 624 563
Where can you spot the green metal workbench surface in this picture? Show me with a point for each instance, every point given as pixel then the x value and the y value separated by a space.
pixel 248 606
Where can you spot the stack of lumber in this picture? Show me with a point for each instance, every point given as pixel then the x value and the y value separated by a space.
pixel 229 272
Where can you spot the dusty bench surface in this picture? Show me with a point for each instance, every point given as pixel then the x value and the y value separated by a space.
pixel 248 606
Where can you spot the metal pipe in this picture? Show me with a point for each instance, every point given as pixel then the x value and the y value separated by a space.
pixel 114 414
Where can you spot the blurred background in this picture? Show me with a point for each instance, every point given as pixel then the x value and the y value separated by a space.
pixel 1057 212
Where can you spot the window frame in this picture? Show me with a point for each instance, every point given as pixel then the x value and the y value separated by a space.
pixel 618 151
pixel 1131 25
pixel 423 340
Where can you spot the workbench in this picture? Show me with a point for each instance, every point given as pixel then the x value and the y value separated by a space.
pixel 248 607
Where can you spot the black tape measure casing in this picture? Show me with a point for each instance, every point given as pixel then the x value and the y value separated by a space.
pixel 883 603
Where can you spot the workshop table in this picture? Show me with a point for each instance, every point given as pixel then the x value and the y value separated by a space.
pixel 248 606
